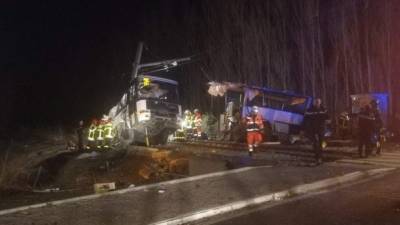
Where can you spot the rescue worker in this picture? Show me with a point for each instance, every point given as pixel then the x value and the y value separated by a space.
pixel 377 126
pixel 100 134
pixel 79 132
pixel 315 118
pixel 254 129
pixel 187 120
pixel 108 133
pixel 366 120
pixel 197 123
pixel 92 133
pixel 187 125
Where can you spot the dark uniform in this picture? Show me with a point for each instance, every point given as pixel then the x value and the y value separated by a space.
pixel 378 124
pixel 366 124
pixel 79 133
pixel 314 121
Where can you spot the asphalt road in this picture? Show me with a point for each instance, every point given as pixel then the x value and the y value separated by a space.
pixel 148 205
pixel 375 202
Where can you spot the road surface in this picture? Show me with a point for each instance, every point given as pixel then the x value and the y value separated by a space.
pixel 375 202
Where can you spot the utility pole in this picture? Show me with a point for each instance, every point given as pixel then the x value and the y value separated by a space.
pixel 135 64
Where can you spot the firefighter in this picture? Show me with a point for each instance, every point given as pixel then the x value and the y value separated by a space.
pixel 187 120
pixel 79 132
pixel 108 132
pixel 254 128
pixel 100 134
pixel 378 124
pixel 197 123
pixel 92 133
pixel 366 121
pixel 315 118
pixel 187 125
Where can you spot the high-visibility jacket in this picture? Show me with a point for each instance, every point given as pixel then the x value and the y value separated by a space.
pixel 92 131
pixel 188 122
pixel 108 131
pixel 254 123
pixel 197 120
pixel 100 132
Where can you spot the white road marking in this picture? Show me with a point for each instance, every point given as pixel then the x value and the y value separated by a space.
pixel 126 190
pixel 300 189
pixel 386 159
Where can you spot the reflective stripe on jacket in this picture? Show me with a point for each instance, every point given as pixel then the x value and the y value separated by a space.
pixel 100 133
pixel 254 123
pixel 108 131
pixel 92 130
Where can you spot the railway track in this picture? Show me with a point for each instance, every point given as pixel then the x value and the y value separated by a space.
pixel 270 150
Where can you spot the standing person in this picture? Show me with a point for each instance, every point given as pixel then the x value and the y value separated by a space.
pixel 79 133
pixel 108 133
pixel 197 123
pixel 315 118
pixel 366 122
pixel 100 134
pixel 254 128
pixel 92 134
pixel 378 124
pixel 187 120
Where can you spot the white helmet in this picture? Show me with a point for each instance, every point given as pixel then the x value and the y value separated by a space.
pixel 254 109
pixel 187 112
pixel 105 117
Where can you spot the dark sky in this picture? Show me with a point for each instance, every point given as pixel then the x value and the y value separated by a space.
pixel 66 60
pixel 62 61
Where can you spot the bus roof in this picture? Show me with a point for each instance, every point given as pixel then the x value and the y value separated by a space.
pixel 275 91
pixel 239 87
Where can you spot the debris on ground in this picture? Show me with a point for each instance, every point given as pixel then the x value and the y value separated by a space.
pixel 47 190
pixel 104 187
pixel 164 164
pixel 39 172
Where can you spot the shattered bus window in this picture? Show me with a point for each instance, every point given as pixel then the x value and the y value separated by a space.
pixel 158 90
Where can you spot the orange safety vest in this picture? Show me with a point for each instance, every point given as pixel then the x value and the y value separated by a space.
pixel 197 120
pixel 254 123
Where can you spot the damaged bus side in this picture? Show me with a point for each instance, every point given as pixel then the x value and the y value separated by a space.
pixel 283 111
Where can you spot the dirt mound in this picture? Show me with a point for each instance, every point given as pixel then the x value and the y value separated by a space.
pixel 50 175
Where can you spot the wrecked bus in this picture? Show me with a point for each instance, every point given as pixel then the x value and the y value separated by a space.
pixel 148 113
pixel 282 110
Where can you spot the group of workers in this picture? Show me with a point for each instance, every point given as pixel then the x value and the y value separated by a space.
pixel 101 133
pixel 192 124
pixel 315 118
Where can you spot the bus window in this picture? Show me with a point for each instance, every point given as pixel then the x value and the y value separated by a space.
pixel 234 96
pixel 296 105
pixel 256 101
pixel 274 101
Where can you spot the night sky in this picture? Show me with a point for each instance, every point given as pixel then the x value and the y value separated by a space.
pixel 63 61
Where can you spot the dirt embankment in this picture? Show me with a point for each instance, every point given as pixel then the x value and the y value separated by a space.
pixel 40 172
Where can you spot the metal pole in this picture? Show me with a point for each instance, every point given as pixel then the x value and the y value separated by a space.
pixel 147 137
pixel 135 70
pixel 136 63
